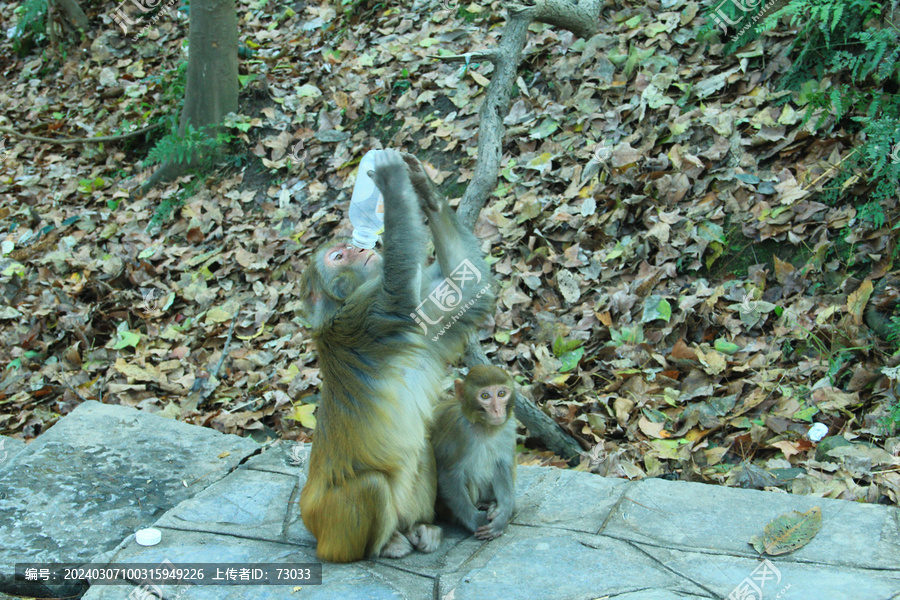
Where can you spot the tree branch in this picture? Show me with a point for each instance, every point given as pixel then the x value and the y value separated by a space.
pixel 105 138
pixel 582 19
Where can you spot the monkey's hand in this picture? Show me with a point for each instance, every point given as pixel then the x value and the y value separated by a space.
pixel 390 174
pixel 428 195
pixel 497 521
pixel 490 531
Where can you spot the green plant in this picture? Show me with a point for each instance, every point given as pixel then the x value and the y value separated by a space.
pixel 829 38
pixel 569 352
pixel 30 29
pixel 845 70
pixel 891 423
pixel 628 335
pixel 402 83
pixel 469 17
pixel 893 333
pixel 181 149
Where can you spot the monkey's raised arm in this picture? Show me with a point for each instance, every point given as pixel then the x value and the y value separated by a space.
pixel 453 243
pixel 404 233
pixel 459 278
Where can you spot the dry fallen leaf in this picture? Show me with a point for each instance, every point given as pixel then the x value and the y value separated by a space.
pixel 568 286
pixel 856 302
pixel 789 532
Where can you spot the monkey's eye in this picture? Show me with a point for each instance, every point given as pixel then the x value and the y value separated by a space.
pixel 485 395
pixel 337 256
pixel 501 393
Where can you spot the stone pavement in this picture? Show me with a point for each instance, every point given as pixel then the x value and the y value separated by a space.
pixel 78 492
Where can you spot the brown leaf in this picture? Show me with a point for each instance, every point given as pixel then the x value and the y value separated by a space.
pixel 789 448
pixel 829 398
pixel 783 270
pixel 681 351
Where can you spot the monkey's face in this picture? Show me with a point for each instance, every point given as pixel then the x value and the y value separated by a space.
pixel 494 399
pixel 366 263
pixel 332 275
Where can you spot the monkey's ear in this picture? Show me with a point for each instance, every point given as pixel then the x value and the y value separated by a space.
pixel 459 389
pixel 314 310
pixel 344 284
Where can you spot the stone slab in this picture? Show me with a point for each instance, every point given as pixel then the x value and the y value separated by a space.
pixel 247 503
pixel 574 536
pixel 565 499
pixel 527 563
pixel 99 474
pixel 286 458
pixel 783 577
pixel 698 516
pixel 9 448
pixel 339 582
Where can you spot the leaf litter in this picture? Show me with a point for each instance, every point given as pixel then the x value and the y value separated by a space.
pixel 667 291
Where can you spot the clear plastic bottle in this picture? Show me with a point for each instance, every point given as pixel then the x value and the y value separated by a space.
pixel 366 205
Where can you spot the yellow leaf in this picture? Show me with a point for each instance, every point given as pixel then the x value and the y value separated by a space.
pixel 856 301
pixel 136 372
pixel 304 414
pixel 823 316
pixel 262 327
pixel 217 315
pixel 479 78
pixel 696 434
pixel 558 380
pixel 291 372
pixel 713 361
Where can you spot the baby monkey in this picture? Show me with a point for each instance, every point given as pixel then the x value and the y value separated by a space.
pixel 474 441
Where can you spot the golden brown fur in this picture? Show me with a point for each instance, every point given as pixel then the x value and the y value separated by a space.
pixel 371 485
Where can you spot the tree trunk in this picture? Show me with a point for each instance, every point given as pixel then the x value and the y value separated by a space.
pixel 212 77
pixel 74 13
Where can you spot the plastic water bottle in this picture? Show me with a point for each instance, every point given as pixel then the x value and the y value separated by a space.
pixel 366 205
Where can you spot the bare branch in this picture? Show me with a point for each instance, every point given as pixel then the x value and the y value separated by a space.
pixel 480 56
pixel 582 19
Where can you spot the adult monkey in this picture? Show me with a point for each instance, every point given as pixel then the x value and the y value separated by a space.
pixel 371 485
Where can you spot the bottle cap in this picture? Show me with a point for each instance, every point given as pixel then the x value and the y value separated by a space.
pixel 147 537
pixel 817 432
pixel 364 238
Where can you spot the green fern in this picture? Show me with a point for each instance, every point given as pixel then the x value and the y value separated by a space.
pixel 31 27
pixel 846 42
pixel 180 149
pixel 873 213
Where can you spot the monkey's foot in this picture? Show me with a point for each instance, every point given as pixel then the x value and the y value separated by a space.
pixel 488 532
pixel 421 183
pixel 425 538
pixel 397 547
